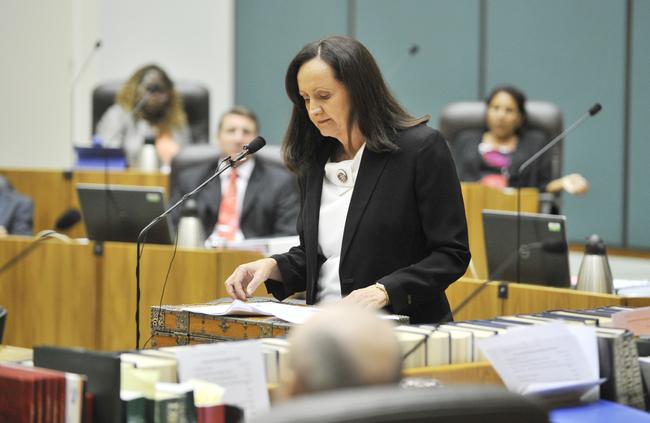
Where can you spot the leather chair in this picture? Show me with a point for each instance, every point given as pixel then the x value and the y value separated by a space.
pixel 196 101
pixel 543 117
pixel 468 404
pixel 198 154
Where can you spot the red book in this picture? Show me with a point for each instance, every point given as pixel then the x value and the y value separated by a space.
pixel 212 414
pixel 38 394
pixel 18 396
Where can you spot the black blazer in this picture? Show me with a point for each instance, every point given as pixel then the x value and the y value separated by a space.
pixel 270 205
pixel 405 228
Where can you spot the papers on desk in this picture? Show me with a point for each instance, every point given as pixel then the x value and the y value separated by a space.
pixel 266 246
pixel 236 366
pixel 546 360
pixel 287 312
pixel 632 287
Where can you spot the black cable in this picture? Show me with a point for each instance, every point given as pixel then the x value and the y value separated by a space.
pixel 162 294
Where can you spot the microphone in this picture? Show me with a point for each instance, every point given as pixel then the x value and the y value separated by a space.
pixel 227 163
pixel 73 86
pixel 38 238
pixel 250 148
pixel 411 52
pixel 593 110
pixel 552 246
pixel 67 219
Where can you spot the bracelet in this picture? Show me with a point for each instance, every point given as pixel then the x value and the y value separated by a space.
pixel 382 288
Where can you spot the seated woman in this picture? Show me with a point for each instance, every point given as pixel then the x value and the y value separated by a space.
pixel 146 107
pixel 493 158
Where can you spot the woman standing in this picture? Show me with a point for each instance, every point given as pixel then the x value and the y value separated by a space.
pixel 382 221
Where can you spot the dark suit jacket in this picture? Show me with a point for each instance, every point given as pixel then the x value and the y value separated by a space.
pixel 405 228
pixel 270 205
pixel 16 213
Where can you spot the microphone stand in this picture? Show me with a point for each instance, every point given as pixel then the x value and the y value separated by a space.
pixel 41 236
pixel 593 110
pixel 73 86
pixel 229 162
pixel 502 266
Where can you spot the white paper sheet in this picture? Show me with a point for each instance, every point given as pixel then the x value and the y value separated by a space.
pixel 236 366
pixel 287 312
pixel 540 354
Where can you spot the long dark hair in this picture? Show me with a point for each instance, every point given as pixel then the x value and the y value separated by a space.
pixel 518 96
pixel 372 106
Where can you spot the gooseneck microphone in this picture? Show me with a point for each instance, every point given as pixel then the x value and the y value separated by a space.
pixel 593 110
pixel 224 164
pixel 411 52
pixel 67 219
pixel 551 246
pixel 73 86
pixel 37 241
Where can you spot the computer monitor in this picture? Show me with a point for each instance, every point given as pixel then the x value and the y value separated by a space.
pixel 120 212
pixel 543 250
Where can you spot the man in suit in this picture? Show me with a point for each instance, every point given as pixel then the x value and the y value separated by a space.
pixel 255 200
pixel 16 211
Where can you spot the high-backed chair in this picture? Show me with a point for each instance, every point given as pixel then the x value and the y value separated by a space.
pixel 393 404
pixel 196 102
pixel 543 117
pixel 3 319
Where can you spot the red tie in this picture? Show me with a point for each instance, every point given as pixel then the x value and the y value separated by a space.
pixel 228 222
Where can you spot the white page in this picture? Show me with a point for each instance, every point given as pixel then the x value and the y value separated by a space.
pixel 588 341
pixel 286 312
pixel 236 366
pixel 538 354
pixel 237 307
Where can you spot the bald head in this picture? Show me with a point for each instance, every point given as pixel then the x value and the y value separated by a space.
pixel 343 346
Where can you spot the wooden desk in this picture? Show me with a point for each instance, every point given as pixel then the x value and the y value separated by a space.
pixel 54 191
pixel 526 298
pixel 63 294
pixel 51 296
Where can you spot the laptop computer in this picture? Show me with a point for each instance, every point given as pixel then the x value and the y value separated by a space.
pixel 100 158
pixel 120 212
pixel 543 249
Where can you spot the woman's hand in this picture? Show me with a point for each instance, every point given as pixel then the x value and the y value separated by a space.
pixel 369 297
pixel 247 277
pixel 575 184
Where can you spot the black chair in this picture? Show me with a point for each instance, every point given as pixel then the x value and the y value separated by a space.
pixel 544 117
pixel 469 404
pixel 3 319
pixel 196 102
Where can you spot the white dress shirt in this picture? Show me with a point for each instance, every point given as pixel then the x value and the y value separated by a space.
pixel 338 185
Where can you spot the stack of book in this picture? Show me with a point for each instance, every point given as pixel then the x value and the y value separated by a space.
pixel 457 342
pixel 32 394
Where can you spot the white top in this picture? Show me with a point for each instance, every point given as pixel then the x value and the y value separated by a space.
pixel 338 185
pixel 244 171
